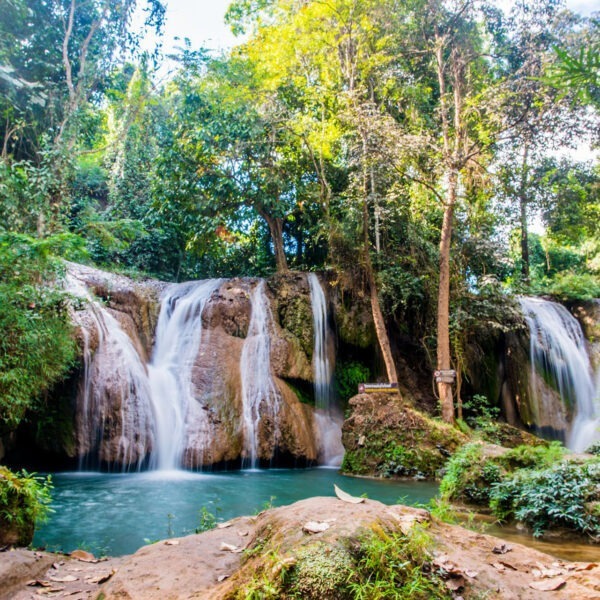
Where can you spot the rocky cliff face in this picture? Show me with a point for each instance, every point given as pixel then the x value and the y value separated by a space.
pixel 287 436
pixel 115 412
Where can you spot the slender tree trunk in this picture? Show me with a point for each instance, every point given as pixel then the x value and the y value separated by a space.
pixel 299 247
pixel 276 229
pixel 444 361
pixel 524 240
pixel 378 320
pixel 523 210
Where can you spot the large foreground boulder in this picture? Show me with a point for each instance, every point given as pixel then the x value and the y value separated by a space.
pixel 316 548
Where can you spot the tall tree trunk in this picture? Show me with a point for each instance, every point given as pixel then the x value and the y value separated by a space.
pixel 523 210
pixel 444 361
pixel 378 320
pixel 524 240
pixel 276 229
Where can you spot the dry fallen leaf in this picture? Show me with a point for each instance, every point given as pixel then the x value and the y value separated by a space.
pixel 101 578
pixel 171 543
pixel 83 556
pixel 508 565
pixel 229 547
pixel 548 585
pixel 221 578
pixel 455 583
pixel 587 567
pixel 53 590
pixel 63 579
pixel 499 567
pixel 314 527
pixel 346 497
pixel 502 549
pixel 40 582
pixel 243 533
pixel 471 574
pixel 224 525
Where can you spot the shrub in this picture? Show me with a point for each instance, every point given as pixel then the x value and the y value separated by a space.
pixel 469 475
pixel 36 343
pixel 24 501
pixel 532 457
pixel 571 286
pixel 560 496
pixel 347 377
pixel 594 449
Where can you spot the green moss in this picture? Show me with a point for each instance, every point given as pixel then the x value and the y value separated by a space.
pixel 295 316
pixel 356 462
pixel 302 395
pixel 471 473
pixel 532 457
pixel 322 571
pixel 385 437
pixel 354 322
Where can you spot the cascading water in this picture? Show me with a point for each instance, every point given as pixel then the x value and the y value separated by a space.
pixel 559 354
pixel 178 338
pixel 127 381
pixel 260 398
pixel 328 419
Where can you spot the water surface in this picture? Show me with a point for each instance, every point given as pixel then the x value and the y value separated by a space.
pixel 115 514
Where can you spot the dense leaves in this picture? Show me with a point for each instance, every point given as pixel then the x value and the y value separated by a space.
pixel 37 346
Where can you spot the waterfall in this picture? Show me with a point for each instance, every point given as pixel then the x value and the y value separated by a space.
pixel 559 354
pixel 127 379
pixel 321 366
pixel 178 338
pixel 327 418
pixel 260 398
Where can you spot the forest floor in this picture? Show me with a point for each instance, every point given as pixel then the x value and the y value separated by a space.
pixel 220 562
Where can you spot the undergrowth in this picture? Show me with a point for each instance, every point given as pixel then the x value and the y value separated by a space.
pixel 24 501
pixel 535 485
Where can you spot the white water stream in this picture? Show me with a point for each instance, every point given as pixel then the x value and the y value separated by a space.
pixel 260 398
pixel 127 376
pixel 328 418
pixel 178 339
pixel 559 352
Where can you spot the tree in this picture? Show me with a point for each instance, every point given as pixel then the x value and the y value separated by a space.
pixel 54 58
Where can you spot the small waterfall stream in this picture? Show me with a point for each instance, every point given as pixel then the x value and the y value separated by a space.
pixel 178 339
pixel 559 354
pixel 128 376
pixel 260 398
pixel 327 417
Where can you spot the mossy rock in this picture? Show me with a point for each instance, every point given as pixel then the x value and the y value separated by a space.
pixel 508 436
pixel 355 322
pixel 296 318
pixel 386 437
